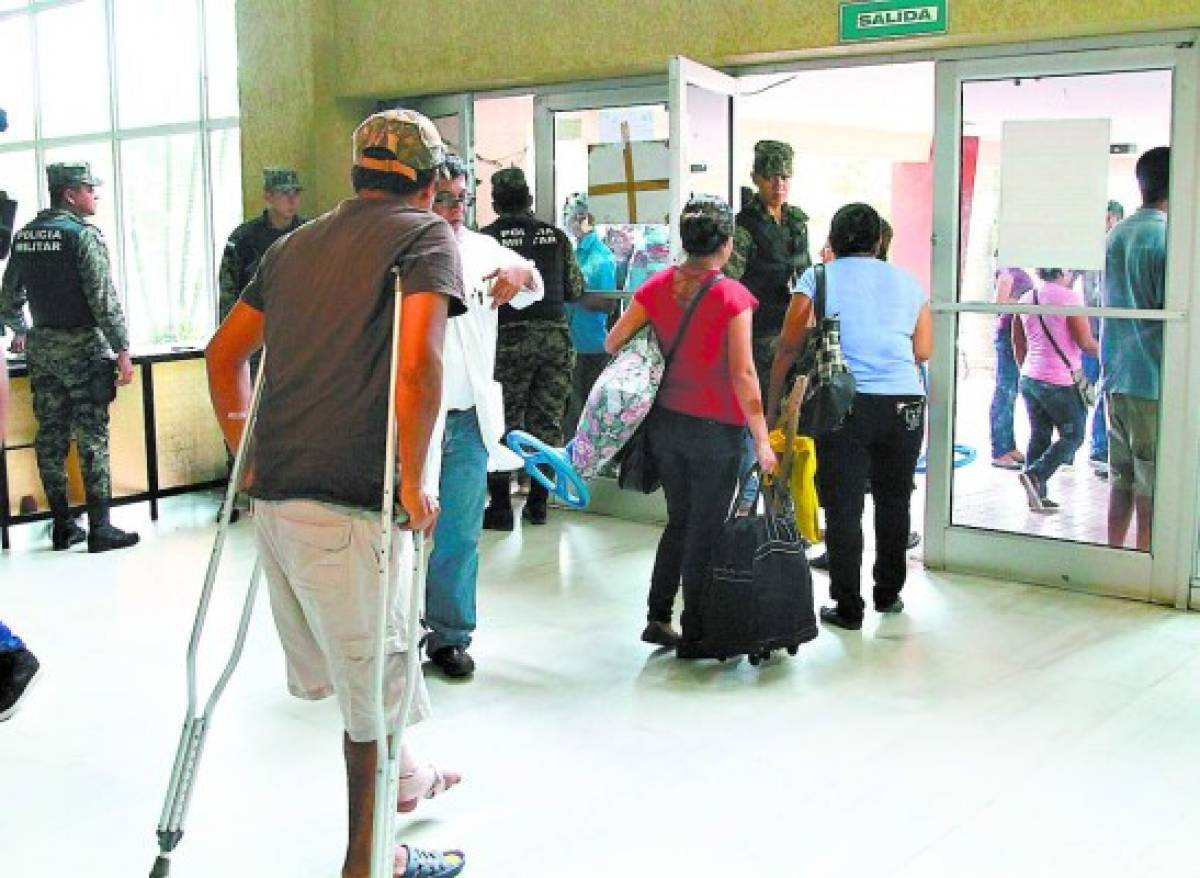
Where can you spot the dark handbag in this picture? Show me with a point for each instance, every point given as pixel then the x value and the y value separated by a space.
pixel 636 470
pixel 760 595
pixel 102 383
pixel 1085 388
pixel 830 393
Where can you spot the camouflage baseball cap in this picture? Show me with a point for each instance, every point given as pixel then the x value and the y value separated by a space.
pixel 508 181
pixel 398 142
pixel 281 179
pixel 577 205
pixel 71 174
pixel 710 213
pixel 772 158
pixel 1117 208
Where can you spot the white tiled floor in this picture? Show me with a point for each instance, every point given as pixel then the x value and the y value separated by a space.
pixel 992 730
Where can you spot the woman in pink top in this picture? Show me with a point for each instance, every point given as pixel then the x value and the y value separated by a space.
pixel 708 398
pixel 1049 348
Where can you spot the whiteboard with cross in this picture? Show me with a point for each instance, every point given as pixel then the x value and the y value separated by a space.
pixel 629 182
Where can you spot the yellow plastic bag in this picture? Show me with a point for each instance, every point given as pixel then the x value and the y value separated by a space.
pixel 802 482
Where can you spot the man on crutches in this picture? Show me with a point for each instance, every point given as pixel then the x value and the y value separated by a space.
pixel 322 303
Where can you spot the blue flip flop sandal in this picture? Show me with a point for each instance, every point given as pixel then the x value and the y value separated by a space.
pixel 434 864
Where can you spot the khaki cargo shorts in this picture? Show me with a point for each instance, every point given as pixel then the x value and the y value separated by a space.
pixel 320 565
pixel 1132 442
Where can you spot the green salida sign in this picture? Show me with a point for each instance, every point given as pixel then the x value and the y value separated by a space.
pixel 892 19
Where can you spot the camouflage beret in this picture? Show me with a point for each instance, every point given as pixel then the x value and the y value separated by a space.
pixel 281 179
pixel 71 174
pixel 398 142
pixel 577 205
pixel 772 158
pixel 508 181
pixel 708 215
pixel 1117 208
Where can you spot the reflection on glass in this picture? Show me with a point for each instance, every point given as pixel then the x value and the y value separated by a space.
pixel 1137 109
pixel 503 139
pixel 639 249
pixel 74 89
pixel 225 159
pixel 1021 417
pixel 16 77
pixel 18 177
pixel 146 56
pixel 220 38
pixel 164 240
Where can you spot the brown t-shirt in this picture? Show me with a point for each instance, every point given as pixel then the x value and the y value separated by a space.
pixel 325 291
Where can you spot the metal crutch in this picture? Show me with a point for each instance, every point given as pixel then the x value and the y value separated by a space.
pixel 195 727
pixel 388 746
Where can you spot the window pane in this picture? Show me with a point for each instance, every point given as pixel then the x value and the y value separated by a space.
pixel 74 89
pixel 18 177
pixel 99 155
pixel 226 161
pixel 157 75
pixel 220 36
pixel 168 299
pixel 16 77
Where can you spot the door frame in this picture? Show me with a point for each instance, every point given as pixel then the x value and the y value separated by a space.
pixel 1163 575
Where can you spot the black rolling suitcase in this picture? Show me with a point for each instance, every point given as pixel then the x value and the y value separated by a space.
pixel 760 596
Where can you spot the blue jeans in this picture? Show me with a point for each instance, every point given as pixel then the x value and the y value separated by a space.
pixel 1099 432
pixel 9 642
pixel 1052 408
pixel 454 563
pixel 1004 398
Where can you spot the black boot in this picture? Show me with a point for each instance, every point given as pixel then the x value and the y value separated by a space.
pixel 102 536
pixel 535 506
pixel 499 513
pixel 64 533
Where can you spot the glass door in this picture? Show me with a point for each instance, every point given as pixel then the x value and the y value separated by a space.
pixel 454 117
pixel 1036 169
pixel 704 116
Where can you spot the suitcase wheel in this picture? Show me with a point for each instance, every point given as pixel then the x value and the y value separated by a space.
pixel 792 650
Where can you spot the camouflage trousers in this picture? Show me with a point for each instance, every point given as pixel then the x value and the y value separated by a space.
pixel 534 363
pixel 65 407
pixel 764 355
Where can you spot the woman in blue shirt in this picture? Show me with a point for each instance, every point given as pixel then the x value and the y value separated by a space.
pixel 886 333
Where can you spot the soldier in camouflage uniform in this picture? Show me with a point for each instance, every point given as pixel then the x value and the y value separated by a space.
pixel 60 267
pixel 770 249
pixel 534 358
pixel 250 240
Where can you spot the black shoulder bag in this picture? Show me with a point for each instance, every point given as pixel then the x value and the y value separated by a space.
pixel 636 470
pixel 831 387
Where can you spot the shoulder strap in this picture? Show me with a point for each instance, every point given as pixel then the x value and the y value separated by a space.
pixel 819 297
pixel 687 317
pixel 1050 336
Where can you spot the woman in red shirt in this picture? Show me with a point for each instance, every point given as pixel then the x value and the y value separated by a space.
pixel 708 398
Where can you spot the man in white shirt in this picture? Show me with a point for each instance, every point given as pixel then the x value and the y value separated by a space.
pixel 473 418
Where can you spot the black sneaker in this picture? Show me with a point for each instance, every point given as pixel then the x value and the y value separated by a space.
pixel 453 661
pixel 534 513
pixel 18 670
pixel 660 634
pixel 821 562
pixel 498 518
pixel 832 616
pixel 896 606
pixel 63 535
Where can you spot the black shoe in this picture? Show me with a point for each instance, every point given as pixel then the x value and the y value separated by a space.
pixel 896 606
pixel 688 649
pixel 66 533
pixel 498 518
pixel 660 634
pixel 17 671
pixel 105 537
pixel 821 562
pixel 454 661
pixel 534 513
pixel 832 616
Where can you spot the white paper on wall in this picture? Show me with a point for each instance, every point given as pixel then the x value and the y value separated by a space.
pixel 629 183
pixel 1053 193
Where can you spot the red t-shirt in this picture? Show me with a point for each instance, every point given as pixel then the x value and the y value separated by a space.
pixel 698 382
